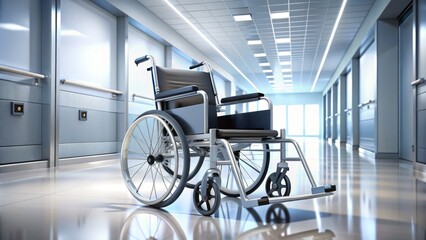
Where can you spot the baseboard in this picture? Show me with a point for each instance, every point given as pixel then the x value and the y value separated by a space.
pixel 387 155
pixel 366 153
pixel 23 166
pixel 353 147
pixel 86 159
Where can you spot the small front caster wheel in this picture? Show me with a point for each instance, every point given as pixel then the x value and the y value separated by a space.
pixel 278 185
pixel 207 205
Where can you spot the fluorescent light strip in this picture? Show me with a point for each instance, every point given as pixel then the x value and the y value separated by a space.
pixel 285 53
pixel 264 64
pixel 260 54
pixel 269 76
pixel 267 71
pixel 211 44
pixel 282 40
pixel 239 18
pixel 280 15
pixel 287 76
pixel 286 70
pixel 254 42
pixel 285 63
pixel 327 49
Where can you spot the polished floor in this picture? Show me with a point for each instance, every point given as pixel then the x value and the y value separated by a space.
pixel 375 199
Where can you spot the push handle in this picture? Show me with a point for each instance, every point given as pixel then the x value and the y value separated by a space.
pixel 196 65
pixel 417 82
pixel 141 59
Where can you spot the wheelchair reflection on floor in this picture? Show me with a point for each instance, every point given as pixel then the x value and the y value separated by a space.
pixel 164 149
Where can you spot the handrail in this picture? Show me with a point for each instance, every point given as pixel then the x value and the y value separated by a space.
pixel 134 95
pixel 366 103
pixel 348 109
pixel 417 82
pixel 91 86
pixel 21 72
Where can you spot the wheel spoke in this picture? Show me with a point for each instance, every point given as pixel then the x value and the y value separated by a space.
pixel 255 167
pixel 143 136
pixel 138 142
pixel 138 170
pixel 143 179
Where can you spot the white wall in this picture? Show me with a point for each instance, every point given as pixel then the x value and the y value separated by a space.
pixel 140 80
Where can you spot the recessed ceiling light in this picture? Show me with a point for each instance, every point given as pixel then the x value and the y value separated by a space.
pixel 286 70
pixel 267 71
pixel 260 54
pixel 280 15
pixel 282 40
pixel 285 53
pixel 264 64
pixel 285 63
pixel 242 18
pixel 254 42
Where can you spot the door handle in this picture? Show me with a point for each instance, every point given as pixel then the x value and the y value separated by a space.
pixel 417 82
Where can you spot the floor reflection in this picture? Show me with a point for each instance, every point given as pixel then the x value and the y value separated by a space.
pixel 232 221
pixel 376 199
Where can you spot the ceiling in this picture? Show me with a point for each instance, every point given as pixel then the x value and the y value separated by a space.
pixel 307 32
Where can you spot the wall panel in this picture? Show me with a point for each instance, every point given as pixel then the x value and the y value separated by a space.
pixel 20 41
pixel 88 53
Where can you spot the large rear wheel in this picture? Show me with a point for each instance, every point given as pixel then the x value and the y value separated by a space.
pixel 252 161
pixel 155 142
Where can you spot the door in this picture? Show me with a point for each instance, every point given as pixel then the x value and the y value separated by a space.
pixel 367 98
pixel 419 85
pixel 406 76
pixel 348 109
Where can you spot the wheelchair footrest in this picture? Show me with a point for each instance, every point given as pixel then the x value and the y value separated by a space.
pixel 323 189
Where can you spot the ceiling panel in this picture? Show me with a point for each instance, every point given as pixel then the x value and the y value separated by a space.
pixel 309 28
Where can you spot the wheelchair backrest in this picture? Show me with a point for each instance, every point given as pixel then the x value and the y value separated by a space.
pixel 187 111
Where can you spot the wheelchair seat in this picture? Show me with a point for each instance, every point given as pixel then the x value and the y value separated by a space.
pixel 244 133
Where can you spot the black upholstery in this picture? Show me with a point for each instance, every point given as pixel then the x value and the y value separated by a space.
pixel 242 97
pixel 188 111
pixel 169 79
pixel 177 91
pixel 240 133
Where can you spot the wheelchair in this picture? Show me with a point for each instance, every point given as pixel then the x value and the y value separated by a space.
pixel 164 149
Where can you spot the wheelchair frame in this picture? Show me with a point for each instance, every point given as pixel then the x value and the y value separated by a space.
pixel 206 196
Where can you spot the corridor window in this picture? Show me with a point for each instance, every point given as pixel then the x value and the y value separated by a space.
pixel 295 120
pixel 298 120
pixel 312 119
pixel 280 117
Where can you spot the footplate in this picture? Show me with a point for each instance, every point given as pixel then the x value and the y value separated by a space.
pixel 323 189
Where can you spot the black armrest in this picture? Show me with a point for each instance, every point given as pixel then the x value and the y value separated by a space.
pixel 242 97
pixel 177 91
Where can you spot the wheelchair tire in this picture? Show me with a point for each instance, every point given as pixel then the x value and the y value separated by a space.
pixel 155 140
pixel 278 186
pixel 253 161
pixel 210 203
